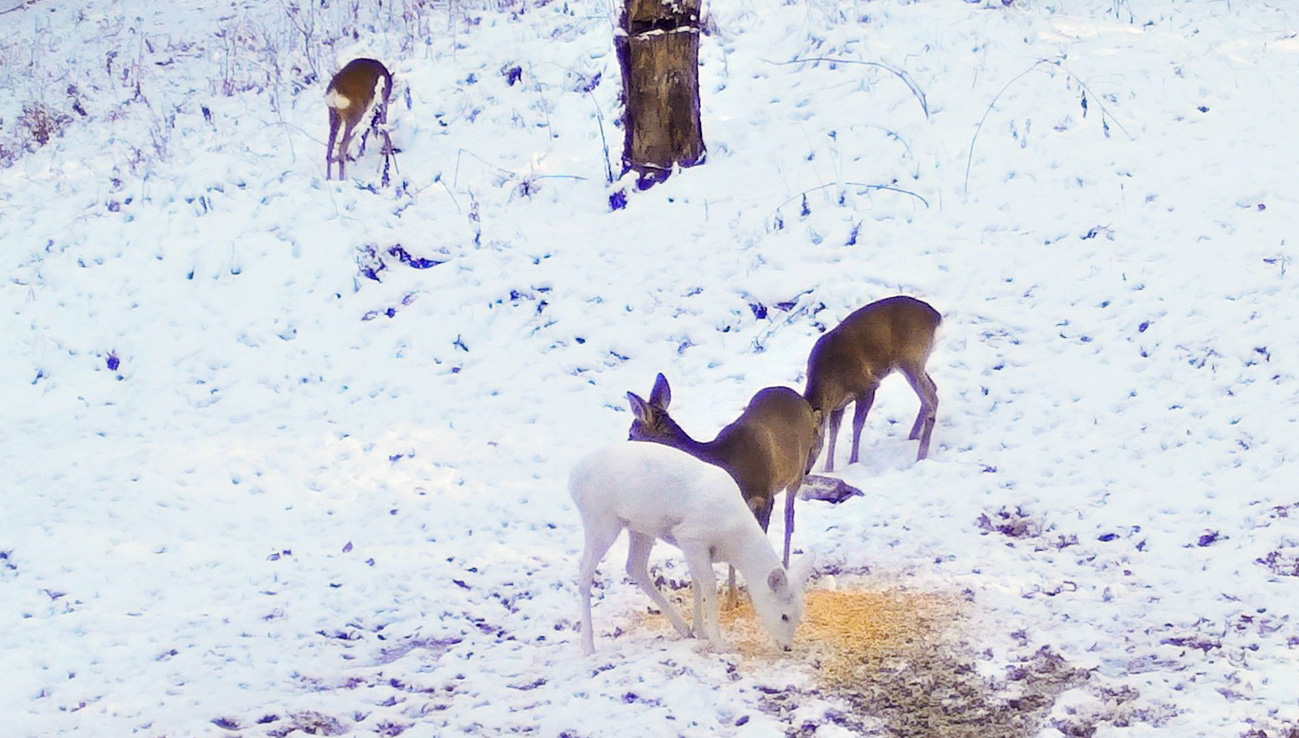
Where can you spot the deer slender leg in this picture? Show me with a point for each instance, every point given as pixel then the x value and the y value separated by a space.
pixel 864 402
pixel 836 417
pixel 927 391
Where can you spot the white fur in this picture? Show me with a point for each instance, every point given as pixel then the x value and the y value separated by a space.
pixel 660 493
pixel 337 101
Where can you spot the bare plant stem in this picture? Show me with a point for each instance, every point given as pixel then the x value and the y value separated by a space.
pixel 1105 113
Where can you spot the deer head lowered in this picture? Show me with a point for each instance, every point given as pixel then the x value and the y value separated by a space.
pixel 849 361
pixel 659 493
pixel 351 94
pixel 769 448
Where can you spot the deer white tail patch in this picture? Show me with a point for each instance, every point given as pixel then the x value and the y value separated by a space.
pixel 337 101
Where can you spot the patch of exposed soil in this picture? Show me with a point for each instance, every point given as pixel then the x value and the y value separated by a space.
pixel 892 659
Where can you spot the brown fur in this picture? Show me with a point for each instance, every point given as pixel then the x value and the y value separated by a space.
pixel 356 82
pixel 848 362
pixel 769 448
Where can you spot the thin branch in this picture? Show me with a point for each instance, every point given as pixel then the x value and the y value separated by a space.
pixel 599 119
pixel 25 4
pixel 978 128
pixel 1105 113
pixel 889 188
pixel 895 71
pixel 501 171
pixel 801 307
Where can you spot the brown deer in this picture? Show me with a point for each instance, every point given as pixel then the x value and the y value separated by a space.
pixel 848 362
pixel 351 95
pixel 767 449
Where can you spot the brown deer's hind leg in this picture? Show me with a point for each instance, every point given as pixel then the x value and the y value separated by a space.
pixel 790 494
pixel 836 418
pixel 927 391
pixel 864 402
pixel 333 137
pixel 343 146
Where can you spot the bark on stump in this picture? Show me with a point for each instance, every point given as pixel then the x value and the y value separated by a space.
pixel 658 50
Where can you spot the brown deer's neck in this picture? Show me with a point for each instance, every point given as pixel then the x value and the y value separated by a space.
pixel 709 451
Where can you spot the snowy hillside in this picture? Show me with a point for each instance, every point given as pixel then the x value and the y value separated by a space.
pixel 284 455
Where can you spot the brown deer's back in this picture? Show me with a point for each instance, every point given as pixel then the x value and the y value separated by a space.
pixel 871 342
pixel 356 80
pixel 770 441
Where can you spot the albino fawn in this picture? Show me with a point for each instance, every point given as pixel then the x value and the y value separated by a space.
pixel 848 363
pixel 767 449
pixel 350 96
pixel 659 493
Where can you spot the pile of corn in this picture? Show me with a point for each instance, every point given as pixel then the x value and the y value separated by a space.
pixel 845 632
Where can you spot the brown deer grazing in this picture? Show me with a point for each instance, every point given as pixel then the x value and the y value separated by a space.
pixel 767 449
pixel 351 95
pixel 848 362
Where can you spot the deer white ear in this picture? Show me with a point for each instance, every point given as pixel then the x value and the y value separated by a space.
pixel 801 568
pixel 661 395
pixel 776 581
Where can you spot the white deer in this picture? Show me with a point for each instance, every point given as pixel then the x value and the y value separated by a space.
pixel 657 493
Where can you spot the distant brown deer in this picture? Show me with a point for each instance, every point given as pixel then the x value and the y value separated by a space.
pixel 848 362
pixel 351 95
pixel 767 449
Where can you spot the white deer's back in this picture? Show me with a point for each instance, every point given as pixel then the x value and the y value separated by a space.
pixel 656 490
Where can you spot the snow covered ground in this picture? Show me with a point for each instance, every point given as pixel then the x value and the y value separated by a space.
pixel 250 490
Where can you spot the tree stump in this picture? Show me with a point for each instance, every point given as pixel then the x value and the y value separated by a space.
pixel 658 51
